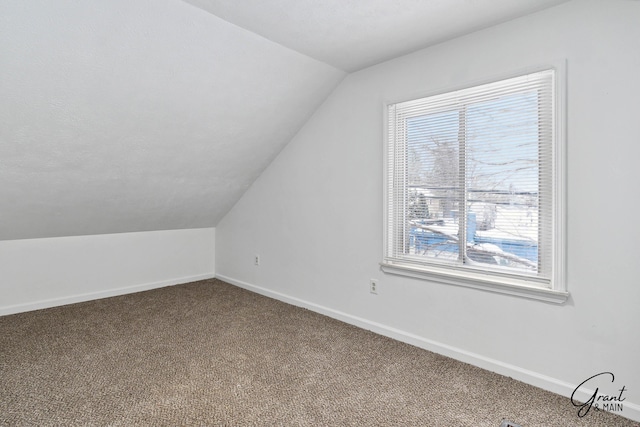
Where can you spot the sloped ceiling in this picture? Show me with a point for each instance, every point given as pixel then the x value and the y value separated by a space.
pixel 354 34
pixel 136 115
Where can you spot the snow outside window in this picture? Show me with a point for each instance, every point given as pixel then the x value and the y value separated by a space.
pixel 473 188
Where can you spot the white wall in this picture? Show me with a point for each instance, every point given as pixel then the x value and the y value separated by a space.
pixel 315 215
pixel 40 273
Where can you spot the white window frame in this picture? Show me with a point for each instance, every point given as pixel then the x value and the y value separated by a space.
pixel 555 291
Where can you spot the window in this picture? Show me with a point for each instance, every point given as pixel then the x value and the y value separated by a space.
pixel 474 188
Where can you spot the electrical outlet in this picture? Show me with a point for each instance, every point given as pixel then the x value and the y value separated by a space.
pixel 373 286
pixel 256 260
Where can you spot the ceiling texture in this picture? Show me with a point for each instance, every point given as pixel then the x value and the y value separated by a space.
pixel 354 34
pixel 139 115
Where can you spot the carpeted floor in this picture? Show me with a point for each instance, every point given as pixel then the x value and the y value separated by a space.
pixel 208 353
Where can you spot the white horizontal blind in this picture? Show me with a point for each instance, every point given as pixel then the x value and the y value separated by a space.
pixel 470 178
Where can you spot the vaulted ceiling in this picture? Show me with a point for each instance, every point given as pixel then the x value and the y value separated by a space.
pixel 136 115
pixel 354 34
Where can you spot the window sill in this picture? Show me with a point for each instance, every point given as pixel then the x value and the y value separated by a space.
pixel 477 282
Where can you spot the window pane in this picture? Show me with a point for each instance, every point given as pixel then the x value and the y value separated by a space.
pixel 433 185
pixel 502 171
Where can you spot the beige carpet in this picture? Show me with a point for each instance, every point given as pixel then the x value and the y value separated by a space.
pixel 208 353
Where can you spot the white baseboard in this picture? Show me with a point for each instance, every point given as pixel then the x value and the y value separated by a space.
pixel 631 410
pixel 71 299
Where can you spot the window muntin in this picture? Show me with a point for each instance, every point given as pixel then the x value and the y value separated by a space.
pixel 470 181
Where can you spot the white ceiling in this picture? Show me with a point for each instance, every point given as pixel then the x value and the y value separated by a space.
pixel 136 115
pixel 353 34
pixel 126 115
